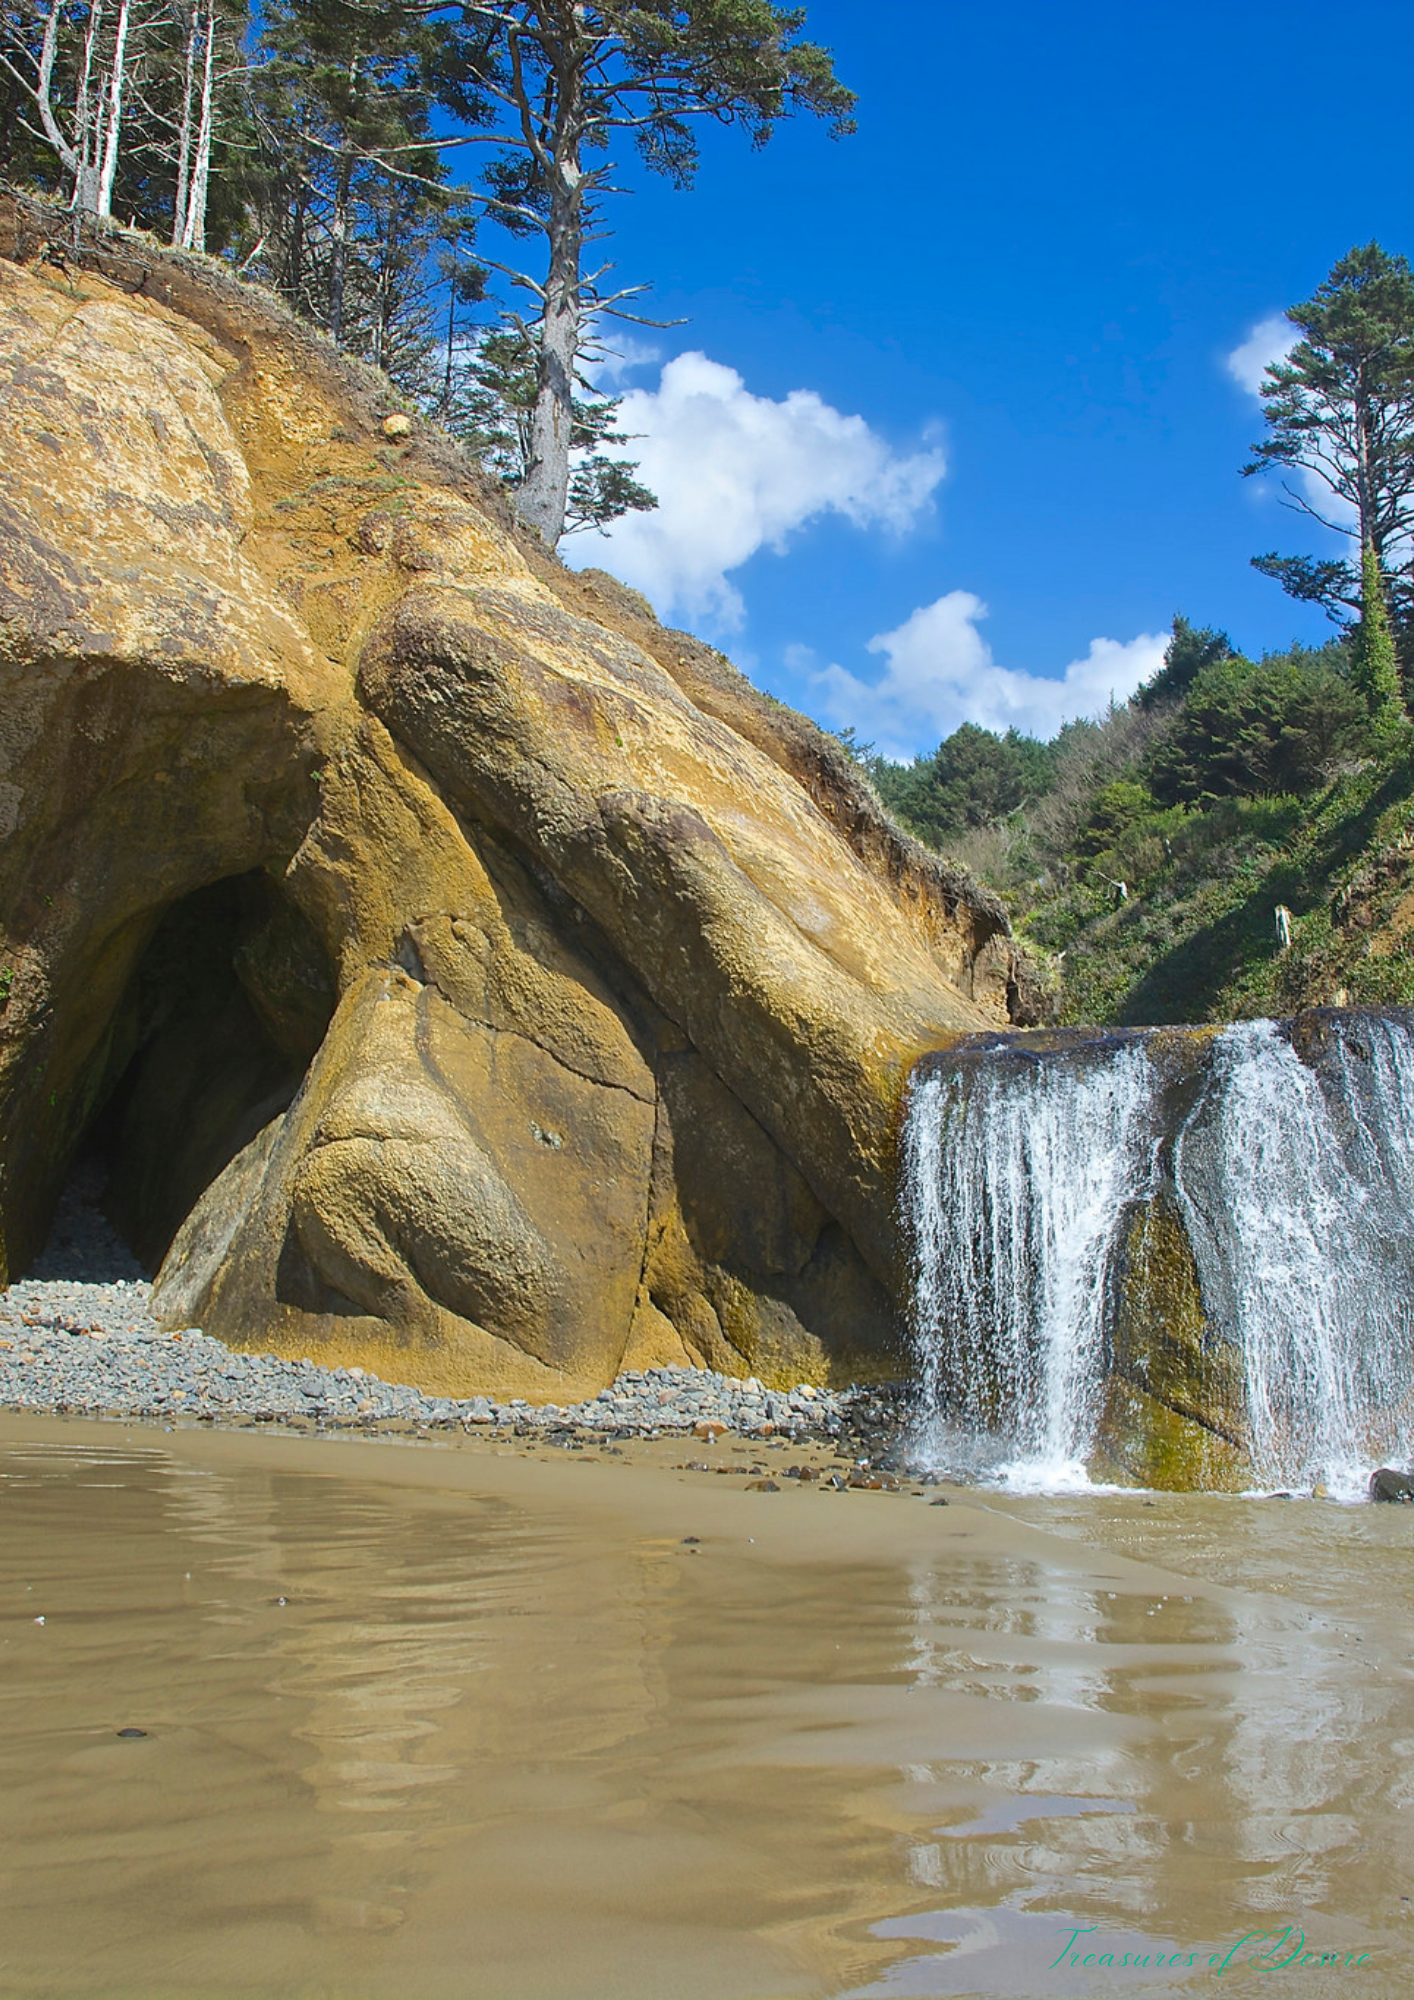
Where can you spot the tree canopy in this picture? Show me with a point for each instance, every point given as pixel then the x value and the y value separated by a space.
pixel 1252 729
pixel 574 86
pixel 1340 415
pixel 972 779
pixel 1189 650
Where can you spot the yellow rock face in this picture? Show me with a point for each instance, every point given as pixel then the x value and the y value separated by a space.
pixel 560 989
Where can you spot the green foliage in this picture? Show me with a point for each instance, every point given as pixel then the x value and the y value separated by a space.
pixel 859 752
pixel 1196 939
pixel 1249 730
pixel 348 193
pixel 156 85
pixel 1188 652
pixel 973 779
pixel 1148 850
pixel 572 88
pixel 490 396
pixel 1116 810
pixel 603 489
pixel 1340 412
pixel 1374 671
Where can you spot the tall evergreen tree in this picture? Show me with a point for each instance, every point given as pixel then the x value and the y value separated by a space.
pixel 1189 650
pixel 577 81
pixel 1340 412
pixel 350 193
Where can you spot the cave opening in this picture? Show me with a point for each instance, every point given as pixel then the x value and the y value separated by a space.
pixel 217 1025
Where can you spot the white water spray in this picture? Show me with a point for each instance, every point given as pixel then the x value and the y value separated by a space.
pixel 1023 1169
pixel 1298 1197
pixel 1020 1173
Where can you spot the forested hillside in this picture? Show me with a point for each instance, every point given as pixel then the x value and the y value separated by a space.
pixel 1237 838
pixel 1147 856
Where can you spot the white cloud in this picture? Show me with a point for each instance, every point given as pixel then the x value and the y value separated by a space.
pixel 735 473
pixel 940 672
pixel 615 356
pixel 1270 340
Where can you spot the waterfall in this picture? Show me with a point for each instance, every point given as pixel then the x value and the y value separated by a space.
pixel 1297 1189
pixel 1285 1153
pixel 1020 1172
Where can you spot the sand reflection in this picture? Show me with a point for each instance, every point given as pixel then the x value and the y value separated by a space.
pixel 442 1723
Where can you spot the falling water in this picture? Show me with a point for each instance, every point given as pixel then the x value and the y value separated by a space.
pixel 1297 1188
pixel 1021 1172
pixel 1290 1159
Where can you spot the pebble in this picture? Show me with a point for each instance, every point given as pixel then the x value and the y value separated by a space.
pixel 94 1348
pixel 77 1335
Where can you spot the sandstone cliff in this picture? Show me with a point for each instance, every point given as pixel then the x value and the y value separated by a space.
pixel 461 973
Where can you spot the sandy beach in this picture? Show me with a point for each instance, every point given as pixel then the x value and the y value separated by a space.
pixel 485 1719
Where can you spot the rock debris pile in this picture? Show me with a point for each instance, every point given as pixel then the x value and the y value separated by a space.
pixel 78 1335
pixel 94 1348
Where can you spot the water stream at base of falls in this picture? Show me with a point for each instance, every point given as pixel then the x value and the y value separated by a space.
pixel 1288 1166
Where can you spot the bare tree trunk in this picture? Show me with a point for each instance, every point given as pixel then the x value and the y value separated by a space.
pixel 194 228
pixel 44 97
pixel 293 276
pixel 378 344
pixel 113 113
pixel 86 138
pixel 565 44
pixel 451 331
pixel 338 253
pixel 184 136
pixel 541 499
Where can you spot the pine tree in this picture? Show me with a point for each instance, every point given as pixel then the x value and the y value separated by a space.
pixel 491 406
pixel 575 83
pixel 350 194
pixel 1340 412
pixel 1189 651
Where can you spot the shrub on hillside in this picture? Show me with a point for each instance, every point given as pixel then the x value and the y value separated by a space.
pixel 1117 809
pixel 973 779
pixel 1257 729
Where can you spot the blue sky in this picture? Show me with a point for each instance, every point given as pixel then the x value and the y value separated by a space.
pixel 1029 267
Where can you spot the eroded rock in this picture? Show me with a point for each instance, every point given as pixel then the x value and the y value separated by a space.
pixel 560 1026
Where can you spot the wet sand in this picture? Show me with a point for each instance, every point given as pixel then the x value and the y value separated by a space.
pixel 480 1721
